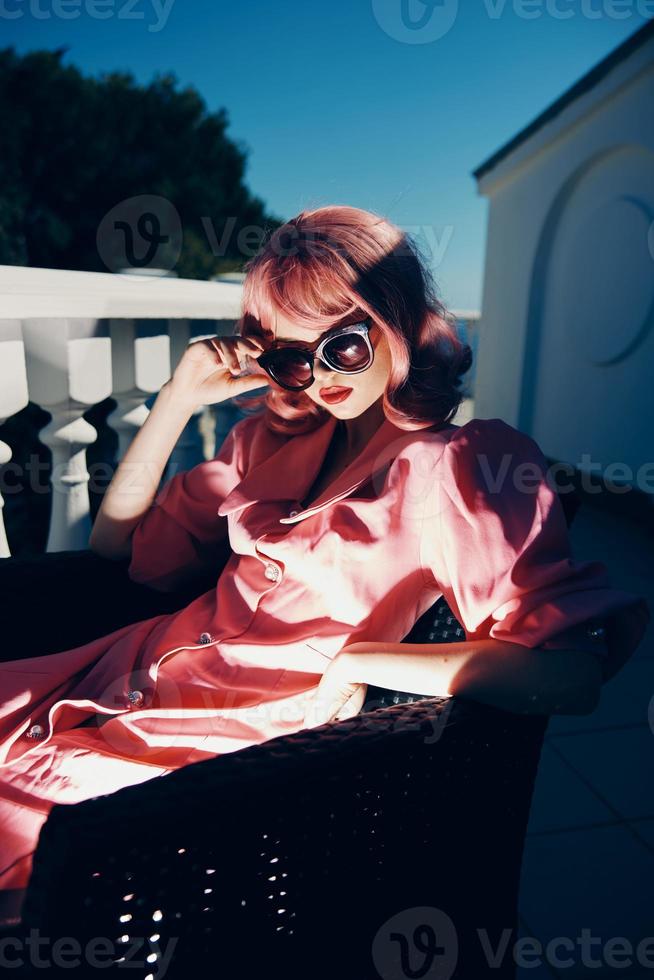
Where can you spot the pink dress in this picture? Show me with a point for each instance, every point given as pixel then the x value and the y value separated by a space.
pixel 448 511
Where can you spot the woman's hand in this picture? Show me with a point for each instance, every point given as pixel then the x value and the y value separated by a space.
pixel 206 372
pixel 336 697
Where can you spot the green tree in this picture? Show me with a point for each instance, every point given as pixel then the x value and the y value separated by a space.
pixel 74 149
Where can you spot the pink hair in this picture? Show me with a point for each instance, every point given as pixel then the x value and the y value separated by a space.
pixel 328 263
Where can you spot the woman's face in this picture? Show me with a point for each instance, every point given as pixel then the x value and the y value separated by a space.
pixel 367 387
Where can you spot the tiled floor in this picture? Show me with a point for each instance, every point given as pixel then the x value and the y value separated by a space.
pixel 589 854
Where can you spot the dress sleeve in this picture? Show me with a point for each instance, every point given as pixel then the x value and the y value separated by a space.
pixel 495 541
pixel 182 534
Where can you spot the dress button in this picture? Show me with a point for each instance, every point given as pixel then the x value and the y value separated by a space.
pixel 293 513
pixel 596 632
pixel 206 637
pixel 135 698
pixel 36 731
pixel 271 572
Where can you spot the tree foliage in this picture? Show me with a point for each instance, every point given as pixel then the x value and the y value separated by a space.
pixel 73 148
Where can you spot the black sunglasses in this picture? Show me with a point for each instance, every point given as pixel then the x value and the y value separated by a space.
pixel 347 350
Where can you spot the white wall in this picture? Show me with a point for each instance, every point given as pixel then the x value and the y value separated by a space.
pixel 566 350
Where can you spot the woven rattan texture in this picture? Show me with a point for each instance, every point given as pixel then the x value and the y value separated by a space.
pixel 304 849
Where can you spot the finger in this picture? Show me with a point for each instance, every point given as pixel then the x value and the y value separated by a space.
pixel 254 346
pixel 247 382
pixel 249 373
pixel 245 349
pixel 227 354
pixel 349 710
pixel 220 353
pixel 318 712
pixel 354 704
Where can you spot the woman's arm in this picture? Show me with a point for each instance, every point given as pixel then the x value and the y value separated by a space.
pixel 203 376
pixel 134 484
pixel 525 680
pixel 495 543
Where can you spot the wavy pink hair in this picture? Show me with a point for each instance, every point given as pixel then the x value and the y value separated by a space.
pixel 328 263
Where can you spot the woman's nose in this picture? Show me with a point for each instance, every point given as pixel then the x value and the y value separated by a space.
pixel 322 372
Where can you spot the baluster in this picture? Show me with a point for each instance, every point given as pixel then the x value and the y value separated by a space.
pixel 13 396
pixel 5 456
pixel 189 449
pixel 140 365
pixel 130 412
pixel 67 435
pixel 68 369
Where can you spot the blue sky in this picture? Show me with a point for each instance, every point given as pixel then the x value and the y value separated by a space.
pixel 336 103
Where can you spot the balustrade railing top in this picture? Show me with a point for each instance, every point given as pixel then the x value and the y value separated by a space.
pixel 27 292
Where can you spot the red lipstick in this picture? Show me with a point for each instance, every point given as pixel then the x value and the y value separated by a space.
pixel 334 394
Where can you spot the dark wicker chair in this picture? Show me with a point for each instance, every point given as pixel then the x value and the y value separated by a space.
pixel 385 846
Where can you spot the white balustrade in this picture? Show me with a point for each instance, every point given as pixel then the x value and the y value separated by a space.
pixel 68 340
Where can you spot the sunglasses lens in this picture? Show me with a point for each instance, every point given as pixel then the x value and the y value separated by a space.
pixel 291 369
pixel 348 352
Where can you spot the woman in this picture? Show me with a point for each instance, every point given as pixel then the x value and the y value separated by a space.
pixel 351 503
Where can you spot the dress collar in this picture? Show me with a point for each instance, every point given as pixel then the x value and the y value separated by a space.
pixel 289 471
